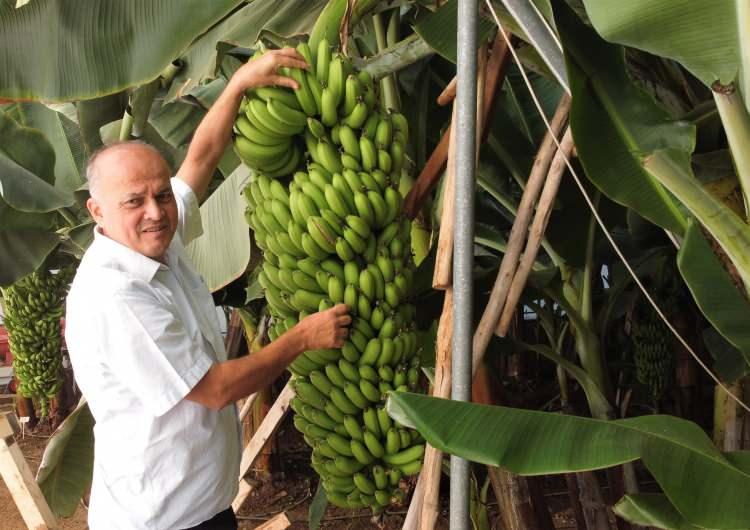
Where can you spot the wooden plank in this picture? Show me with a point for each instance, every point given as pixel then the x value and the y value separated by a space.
pixel 279 522
pixel 20 481
pixel 266 429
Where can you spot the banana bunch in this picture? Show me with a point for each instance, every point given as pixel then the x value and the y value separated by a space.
pixel 33 307
pixel 332 232
pixel 652 352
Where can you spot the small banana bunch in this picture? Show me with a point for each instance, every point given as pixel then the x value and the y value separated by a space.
pixel 333 233
pixel 33 307
pixel 652 352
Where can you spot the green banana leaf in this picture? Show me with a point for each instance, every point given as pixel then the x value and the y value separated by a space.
pixel 68 462
pixel 282 18
pixel 719 299
pixel 652 510
pixel 222 253
pixel 62 51
pixel 317 508
pixel 679 455
pixel 62 134
pixel 614 123
pixel 93 114
pixel 23 251
pixel 702 35
pixel 439 29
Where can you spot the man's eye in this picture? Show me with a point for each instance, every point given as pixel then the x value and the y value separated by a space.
pixel 164 197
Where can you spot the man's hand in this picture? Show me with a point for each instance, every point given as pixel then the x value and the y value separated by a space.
pixel 264 70
pixel 214 132
pixel 327 329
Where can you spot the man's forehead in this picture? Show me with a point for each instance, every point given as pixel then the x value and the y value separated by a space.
pixel 127 166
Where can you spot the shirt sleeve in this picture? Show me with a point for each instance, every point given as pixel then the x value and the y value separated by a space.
pixel 189 224
pixel 150 350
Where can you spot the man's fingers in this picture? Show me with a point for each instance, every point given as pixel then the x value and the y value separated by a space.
pixel 340 309
pixel 344 320
pixel 295 61
pixel 281 80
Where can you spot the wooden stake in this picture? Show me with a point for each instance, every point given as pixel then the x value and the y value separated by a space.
pixel 266 429
pixel 443 273
pixel 246 406
pixel 433 461
pixel 517 236
pixel 23 488
pixel 541 218
pixel 497 67
pixel 423 507
pixel 449 93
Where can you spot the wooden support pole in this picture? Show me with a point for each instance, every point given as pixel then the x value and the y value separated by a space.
pixel 443 273
pixel 539 225
pixel 266 429
pixel 449 93
pixel 494 308
pixel 497 66
pixel 432 467
pixel 23 488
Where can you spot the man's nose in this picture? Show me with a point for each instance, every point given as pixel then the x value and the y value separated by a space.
pixel 154 210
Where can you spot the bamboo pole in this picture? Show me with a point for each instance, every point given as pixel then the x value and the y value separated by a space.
pixel 518 232
pixel 536 233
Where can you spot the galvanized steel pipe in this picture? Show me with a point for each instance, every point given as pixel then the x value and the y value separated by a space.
pixel 463 248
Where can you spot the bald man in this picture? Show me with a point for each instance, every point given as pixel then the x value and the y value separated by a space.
pixel 144 339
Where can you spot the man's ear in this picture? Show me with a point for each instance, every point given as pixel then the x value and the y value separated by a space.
pixel 95 210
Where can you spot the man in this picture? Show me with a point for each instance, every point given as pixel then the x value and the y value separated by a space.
pixel 143 335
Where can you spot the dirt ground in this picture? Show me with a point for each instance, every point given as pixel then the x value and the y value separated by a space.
pixel 289 489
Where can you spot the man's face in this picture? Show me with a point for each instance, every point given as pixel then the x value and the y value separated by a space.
pixel 133 202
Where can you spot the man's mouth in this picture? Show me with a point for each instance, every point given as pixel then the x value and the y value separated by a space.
pixel 155 228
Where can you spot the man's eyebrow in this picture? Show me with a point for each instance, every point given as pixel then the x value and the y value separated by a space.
pixel 129 196
pixel 165 189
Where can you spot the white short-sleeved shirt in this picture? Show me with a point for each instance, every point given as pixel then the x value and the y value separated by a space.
pixel 141 335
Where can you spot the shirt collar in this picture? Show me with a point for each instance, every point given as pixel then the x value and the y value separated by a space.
pixel 110 253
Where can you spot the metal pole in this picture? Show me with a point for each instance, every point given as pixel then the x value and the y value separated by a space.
pixel 463 248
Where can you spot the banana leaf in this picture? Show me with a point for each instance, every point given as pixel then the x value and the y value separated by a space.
pixel 614 123
pixel 23 251
pixel 719 299
pixel 679 455
pixel 651 510
pixel 62 51
pixel 282 18
pixel 68 462
pixel 62 134
pixel 222 253
pixel 702 35
pixel 439 29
